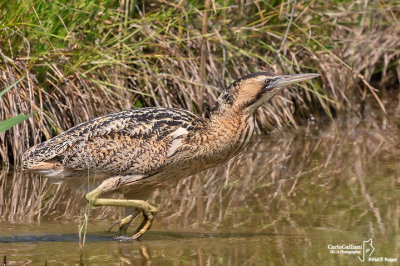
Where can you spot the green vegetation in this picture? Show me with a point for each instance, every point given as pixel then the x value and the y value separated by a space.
pixel 9 123
pixel 85 58
pixel 83 218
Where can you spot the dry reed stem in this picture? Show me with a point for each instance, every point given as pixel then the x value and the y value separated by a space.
pixel 153 61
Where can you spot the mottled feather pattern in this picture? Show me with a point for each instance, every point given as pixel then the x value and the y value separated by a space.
pixel 140 142
pixel 134 140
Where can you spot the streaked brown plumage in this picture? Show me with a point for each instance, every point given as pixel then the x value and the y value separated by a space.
pixel 140 148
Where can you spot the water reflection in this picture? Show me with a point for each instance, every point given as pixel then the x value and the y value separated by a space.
pixel 284 200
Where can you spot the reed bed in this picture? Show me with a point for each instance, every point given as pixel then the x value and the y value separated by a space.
pixel 82 59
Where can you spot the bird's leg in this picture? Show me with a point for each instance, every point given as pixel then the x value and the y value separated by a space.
pixel 149 212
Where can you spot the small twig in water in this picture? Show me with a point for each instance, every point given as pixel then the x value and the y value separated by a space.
pixel 83 224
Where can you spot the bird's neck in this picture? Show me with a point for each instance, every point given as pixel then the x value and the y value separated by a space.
pixel 219 138
pixel 222 116
pixel 232 125
pixel 232 114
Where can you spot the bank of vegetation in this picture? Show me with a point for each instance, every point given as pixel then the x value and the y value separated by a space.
pixel 75 60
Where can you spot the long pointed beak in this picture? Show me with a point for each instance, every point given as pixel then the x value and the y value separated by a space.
pixel 286 80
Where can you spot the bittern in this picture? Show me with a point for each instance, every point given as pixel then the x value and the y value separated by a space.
pixel 142 148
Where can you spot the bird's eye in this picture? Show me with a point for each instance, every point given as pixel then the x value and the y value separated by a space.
pixel 268 84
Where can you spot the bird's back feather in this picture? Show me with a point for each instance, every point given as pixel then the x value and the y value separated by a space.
pixel 137 141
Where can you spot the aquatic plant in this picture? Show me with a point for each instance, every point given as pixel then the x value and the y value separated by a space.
pixel 9 123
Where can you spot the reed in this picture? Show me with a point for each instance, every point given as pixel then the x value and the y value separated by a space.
pixel 80 59
pixel 9 123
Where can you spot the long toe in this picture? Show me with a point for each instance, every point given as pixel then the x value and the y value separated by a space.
pixel 124 223
pixel 113 225
pixel 146 224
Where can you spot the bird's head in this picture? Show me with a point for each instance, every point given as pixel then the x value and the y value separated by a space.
pixel 253 90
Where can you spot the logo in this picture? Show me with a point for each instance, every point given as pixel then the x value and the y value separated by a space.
pixel 364 252
pixel 367 248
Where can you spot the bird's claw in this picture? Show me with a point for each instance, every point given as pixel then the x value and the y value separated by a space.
pixel 113 225
pixel 146 224
pixel 124 223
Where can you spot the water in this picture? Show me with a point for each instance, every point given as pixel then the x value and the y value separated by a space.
pixel 285 200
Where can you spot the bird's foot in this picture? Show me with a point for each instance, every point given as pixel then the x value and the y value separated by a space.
pixel 148 213
pixel 149 216
pixel 124 223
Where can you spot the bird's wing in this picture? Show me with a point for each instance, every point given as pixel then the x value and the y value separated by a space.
pixel 136 141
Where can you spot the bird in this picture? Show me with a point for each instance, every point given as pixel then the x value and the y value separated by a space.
pixel 138 150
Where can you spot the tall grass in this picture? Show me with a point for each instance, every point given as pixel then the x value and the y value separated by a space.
pixel 9 123
pixel 82 59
